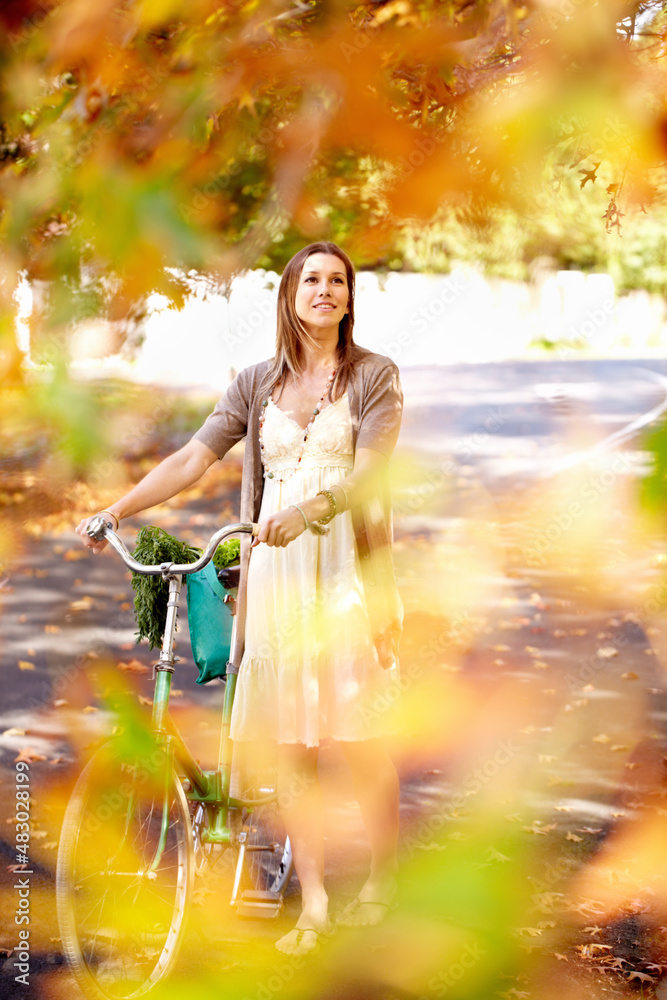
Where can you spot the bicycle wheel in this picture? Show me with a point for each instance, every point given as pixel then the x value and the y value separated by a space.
pixel 269 861
pixel 124 874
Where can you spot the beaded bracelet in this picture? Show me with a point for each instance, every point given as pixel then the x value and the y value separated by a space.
pixel 333 506
pixel 314 526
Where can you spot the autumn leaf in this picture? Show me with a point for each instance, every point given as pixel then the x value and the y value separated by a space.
pixel 561 958
pixel 536 827
pixel 29 755
pixel 83 604
pixel 589 175
pixel 14 731
pixel 601 738
pixel 607 652
pixel 630 675
pixel 642 976
pixel 573 836
pixel 134 667
pixel 26 665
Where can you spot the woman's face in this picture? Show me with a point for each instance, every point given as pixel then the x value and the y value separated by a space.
pixel 322 295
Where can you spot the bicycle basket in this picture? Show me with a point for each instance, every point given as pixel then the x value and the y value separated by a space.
pixel 210 623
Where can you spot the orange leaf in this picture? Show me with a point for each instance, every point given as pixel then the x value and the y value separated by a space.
pixel 29 755
pixel 26 665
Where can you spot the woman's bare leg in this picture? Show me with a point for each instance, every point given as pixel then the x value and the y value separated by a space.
pixel 300 801
pixel 377 789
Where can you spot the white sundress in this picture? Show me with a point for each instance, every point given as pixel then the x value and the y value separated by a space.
pixel 309 670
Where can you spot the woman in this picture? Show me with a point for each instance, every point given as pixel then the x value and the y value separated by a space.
pixel 319 640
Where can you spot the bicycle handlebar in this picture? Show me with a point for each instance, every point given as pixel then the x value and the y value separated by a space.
pixel 99 530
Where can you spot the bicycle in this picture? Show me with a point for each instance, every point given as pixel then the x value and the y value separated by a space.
pixel 144 816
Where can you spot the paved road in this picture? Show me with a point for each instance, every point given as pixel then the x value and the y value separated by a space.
pixel 488 439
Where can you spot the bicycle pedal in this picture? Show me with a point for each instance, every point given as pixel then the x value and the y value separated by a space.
pixel 258 904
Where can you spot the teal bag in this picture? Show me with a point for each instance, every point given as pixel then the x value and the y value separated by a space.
pixel 210 622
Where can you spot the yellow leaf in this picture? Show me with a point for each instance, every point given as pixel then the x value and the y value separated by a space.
pixel 84 604
pixel 607 652
pixel 26 665
pixel 573 836
pixel 89 709
pixel 602 738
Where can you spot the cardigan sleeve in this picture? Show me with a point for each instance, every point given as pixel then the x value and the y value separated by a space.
pixel 228 422
pixel 381 410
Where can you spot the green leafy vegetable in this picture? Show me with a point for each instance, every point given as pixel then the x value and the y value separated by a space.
pixel 155 546
pixel 227 554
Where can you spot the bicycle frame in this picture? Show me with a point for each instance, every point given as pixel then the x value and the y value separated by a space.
pixel 208 787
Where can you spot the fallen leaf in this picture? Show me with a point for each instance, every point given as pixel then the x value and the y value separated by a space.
pixel 134 667
pixel 642 976
pixel 607 652
pixel 90 708
pixel 73 555
pixel 530 931
pixel 83 604
pixel 537 828
pixel 540 664
pixel 561 958
pixel 573 836
pixel 629 675
pixel 590 829
pixel 14 732
pixel 593 930
pixel 494 855
pixel 60 702
pixel 52 629
pixel 144 701
pixel 620 747
pixel 29 755
pixel 602 738
pixel 26 665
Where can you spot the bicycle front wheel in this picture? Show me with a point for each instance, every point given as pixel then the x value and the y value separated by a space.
pixel 125 872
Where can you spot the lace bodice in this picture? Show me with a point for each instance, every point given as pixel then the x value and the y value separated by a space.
pixel 329 441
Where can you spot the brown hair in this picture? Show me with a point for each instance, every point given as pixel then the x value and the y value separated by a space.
pixel 290 331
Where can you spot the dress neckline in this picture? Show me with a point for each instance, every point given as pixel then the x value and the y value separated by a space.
pixel 296 422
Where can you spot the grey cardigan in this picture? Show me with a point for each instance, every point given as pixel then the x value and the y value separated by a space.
pixel 376 404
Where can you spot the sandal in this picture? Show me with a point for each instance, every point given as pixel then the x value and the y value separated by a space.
pixel 353 909
pixel 300 931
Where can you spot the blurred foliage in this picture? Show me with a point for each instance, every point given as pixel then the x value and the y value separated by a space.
pixel 219 137
pixel 141 144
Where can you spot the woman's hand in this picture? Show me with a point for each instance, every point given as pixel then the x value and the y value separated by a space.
pixel 281 528
pixel 91 543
